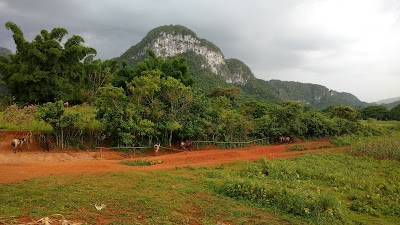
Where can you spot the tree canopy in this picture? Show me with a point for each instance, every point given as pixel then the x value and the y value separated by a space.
pixel 45 69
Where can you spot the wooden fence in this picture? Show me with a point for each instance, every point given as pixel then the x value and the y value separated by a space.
pixel 180 150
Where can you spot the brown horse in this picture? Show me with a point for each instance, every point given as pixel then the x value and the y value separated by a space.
pixel 284 139
pixel 186 144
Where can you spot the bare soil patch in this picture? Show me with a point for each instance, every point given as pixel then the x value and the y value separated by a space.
pixel 35 162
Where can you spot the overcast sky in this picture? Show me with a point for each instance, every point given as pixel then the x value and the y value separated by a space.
pixel 346 45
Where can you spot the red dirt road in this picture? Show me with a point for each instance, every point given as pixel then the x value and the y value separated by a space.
pixel 32 163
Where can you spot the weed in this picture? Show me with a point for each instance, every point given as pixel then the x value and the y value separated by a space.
pixel 297 148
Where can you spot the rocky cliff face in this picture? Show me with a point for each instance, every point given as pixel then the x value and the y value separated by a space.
pixel 168 41
pixel 240 72
pixel 167 45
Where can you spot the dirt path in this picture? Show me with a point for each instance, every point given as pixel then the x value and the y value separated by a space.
pixel 36 163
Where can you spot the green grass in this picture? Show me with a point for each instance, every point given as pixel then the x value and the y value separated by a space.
pixel 140 162
pixel 383 147
pixel 326 188
pixel 161 197
pixel 331 188
pixel 297 148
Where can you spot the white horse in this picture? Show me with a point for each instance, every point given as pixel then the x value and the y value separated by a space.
pixel 156 148
pixel 17 143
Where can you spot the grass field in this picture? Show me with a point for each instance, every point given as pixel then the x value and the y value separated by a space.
pixel 330 188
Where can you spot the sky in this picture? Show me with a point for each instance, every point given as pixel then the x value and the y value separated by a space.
pixel 346 45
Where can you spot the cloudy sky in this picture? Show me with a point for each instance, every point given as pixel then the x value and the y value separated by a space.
pixel 346 45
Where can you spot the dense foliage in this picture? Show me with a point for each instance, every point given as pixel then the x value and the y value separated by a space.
pixel 45 69
pixel 381 113
pixel 157 101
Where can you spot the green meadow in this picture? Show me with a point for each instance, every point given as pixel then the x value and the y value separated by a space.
pixel 328 188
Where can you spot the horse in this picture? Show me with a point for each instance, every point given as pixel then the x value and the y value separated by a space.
pixel 156 148
pixel 48 144
pixel 284 139
pixel 186 144
pixel 17 143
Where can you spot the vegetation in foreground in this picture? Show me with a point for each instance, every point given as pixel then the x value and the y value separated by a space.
pixel 328 188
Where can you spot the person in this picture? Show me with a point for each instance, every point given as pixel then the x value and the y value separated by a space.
pixel 156 148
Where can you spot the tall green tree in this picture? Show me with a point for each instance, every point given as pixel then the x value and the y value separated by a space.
pixel 395 113
pixel 144 94
pixel 375 112
pixel 45 69
pixel 100 73
pixel 178 98
pixel 112 111
pixel 344 112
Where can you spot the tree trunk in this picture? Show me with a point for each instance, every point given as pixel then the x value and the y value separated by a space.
pixel 170 138
pixel 62 139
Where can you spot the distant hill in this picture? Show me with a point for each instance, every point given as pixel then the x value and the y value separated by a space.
pixel 5 51
pixel 387 101
pixel 210 69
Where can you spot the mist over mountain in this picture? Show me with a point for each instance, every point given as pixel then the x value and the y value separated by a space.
pixel 387 101
pixel 210 68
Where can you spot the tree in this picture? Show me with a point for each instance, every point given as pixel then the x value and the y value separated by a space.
pixel 231 93
pixel 44 70
pixel 344 112
pixel 375 112
pixel 395 113
pixel 178 98
pixel 52 113
pixel 112 111
pixel 144 93
pixel 99 73
pixel 124 75
pixel 289 119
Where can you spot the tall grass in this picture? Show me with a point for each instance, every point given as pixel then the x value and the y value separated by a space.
pixel 328 188
pixel 384 147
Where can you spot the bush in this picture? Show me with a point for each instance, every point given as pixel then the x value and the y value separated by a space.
pixel 319 206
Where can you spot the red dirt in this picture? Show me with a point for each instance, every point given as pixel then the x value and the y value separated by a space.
pixel 34 162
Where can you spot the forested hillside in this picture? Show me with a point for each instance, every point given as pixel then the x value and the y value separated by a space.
pixel 210 69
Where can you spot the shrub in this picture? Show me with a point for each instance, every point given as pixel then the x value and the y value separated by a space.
pixel 304 204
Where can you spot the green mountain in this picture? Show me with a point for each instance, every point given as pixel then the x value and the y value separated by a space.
pixel 210 69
